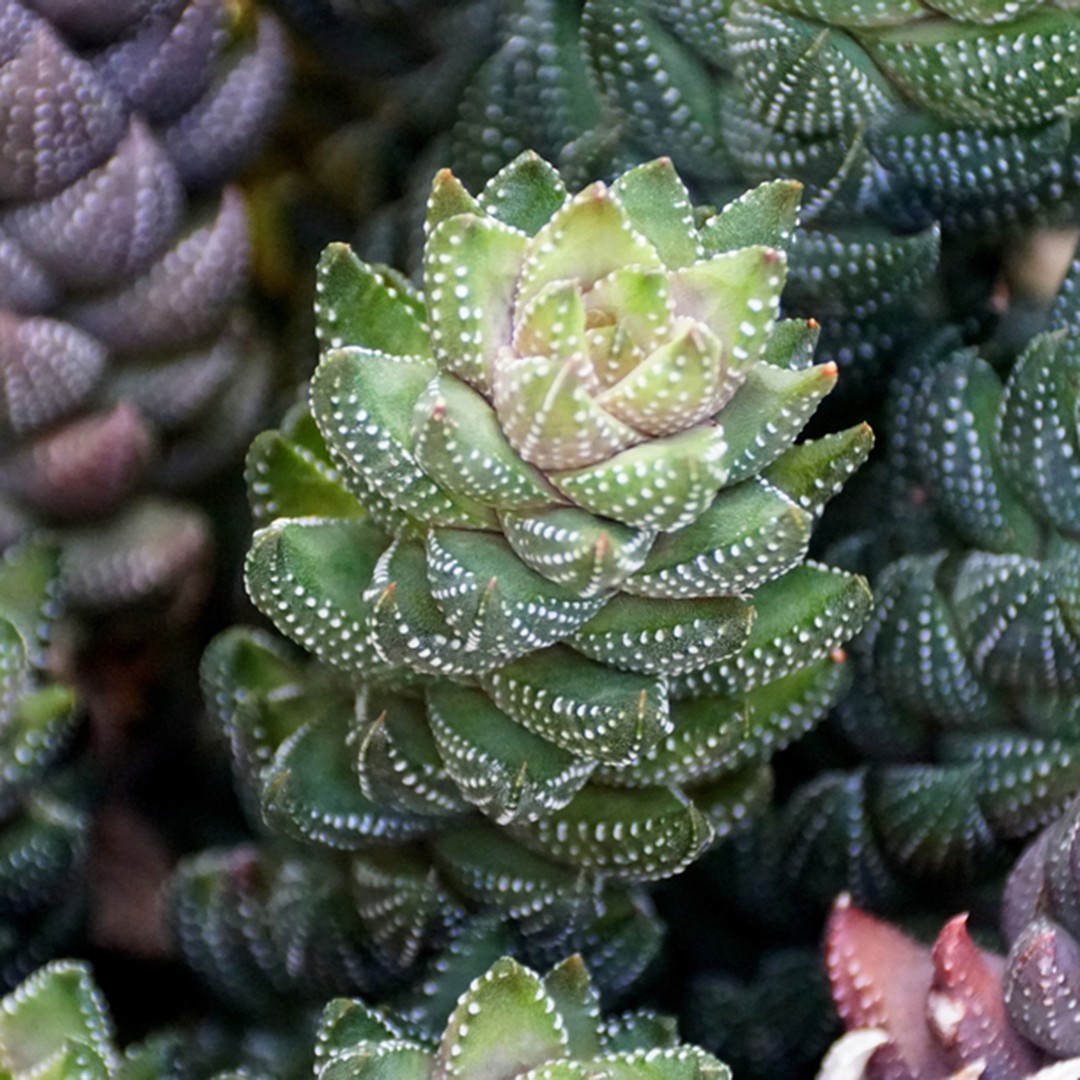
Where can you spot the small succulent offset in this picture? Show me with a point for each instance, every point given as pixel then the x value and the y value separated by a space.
pixel 128 363
pixel 920 1013
pixel 553 506
pixel 44 802
pixel 511 1022
pixel 964 712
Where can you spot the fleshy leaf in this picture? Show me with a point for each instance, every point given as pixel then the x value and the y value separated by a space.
pixel 357 304
pixel 501 767
pixel 582 706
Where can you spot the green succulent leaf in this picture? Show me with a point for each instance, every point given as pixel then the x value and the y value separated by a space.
pixel 580 705
pixel 500 766
pixel 504 1024
pixel 310 792
pixel 765 216
pixel 713 736
pixel 524 194
pixel 814 471
pixel 792 344
pixel 661 93
pixel 398 764
pixel 406 623
pixel 584 241
pixel 931 820
pixel 493 869
pixel 1015 74
pixel 471 270
pixel 658 204
pixel 372 307
pixel 388 1059
pixel 459 443
pixel 665 483
pixel 736 294
pixel 402 903
pixel 801 617
pixel 664 636
pixel 767 413
pixel 364 402
pixel 308 576
pixel 578 1003
pixel 494 602
pixel 803 78
pixel 1037 429
pixel 285 479
pixel 750 534
pixel 56 1013
pixel 571 547
pixel 633 834
pixel 1024 782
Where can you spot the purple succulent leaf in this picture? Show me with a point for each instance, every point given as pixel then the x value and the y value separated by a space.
pixel 111 223
pixel 47 368
pixel 1061 870
pixel 1025 894
pixel 97 22
pixel 164 67
pixel 181 297
pixel 86 468
pixel 221 130
pixel 1042 987
pixel 24 285
pixel 76 121
pixel 172 393
pixel 16 26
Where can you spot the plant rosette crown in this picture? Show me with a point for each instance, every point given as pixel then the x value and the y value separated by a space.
pixel 553 503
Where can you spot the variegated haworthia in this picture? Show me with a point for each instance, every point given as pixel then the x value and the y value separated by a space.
pixel 127 360
pixel 553 502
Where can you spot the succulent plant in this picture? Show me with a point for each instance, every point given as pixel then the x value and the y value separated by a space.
pixel 556 501
pixel 44 798
pixel 128 363
pixel 912 1011
pixel 511 1022
pixel 964 712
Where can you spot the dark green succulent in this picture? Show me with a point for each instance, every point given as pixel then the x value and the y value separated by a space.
pixel 965 706
pixel 128 362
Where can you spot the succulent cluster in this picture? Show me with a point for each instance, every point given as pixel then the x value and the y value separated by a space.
pixel 511 1022
pixel 508 1022
pixel 964 713
pixel 127 361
